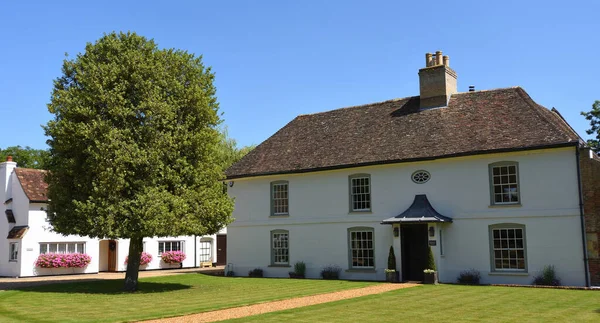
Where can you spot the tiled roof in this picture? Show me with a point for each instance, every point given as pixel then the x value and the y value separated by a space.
pixel 34 183
pixel 17 232
pixel 398 131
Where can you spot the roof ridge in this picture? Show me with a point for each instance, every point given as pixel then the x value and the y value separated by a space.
pixel 34 169
pixel 490 90
pixel 359 106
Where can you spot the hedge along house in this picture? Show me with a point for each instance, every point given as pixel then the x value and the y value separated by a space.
pixel 489 179
pixel 25 234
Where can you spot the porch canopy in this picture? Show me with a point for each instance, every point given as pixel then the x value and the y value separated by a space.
pixel 420 211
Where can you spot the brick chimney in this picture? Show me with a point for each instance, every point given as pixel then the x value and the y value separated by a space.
pixel 437 81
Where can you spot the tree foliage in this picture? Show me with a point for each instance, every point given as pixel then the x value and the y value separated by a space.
pixel 26 157
pixel 431 260
pixel 229 151
pixel 391 259
pixel 135 145
pixel 593 116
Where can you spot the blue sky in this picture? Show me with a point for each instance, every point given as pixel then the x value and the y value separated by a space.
pixel 275 60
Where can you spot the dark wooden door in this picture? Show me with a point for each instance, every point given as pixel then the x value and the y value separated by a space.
pixel 112 255
pixel 221 250
pixel 414 251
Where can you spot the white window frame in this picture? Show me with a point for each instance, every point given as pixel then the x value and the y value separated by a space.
pixel 502 246
pixel 503 182
pixel 360 192
pixel 170 242
pixel 280 248
pixel 74 244
pixel 360 245
pixel 205 251
pixel 280 198
pixel 13 252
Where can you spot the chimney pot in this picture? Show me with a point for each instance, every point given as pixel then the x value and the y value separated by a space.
pixel 438 58
pixel 428 60
pixel 446 60
pixel 9 158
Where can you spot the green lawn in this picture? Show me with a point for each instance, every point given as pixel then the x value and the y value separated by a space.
pixel 452 303
pixel 103 301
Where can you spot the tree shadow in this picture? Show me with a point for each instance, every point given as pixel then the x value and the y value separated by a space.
pixel 106 287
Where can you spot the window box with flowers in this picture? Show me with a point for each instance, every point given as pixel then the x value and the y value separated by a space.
pixel 63 260
pixel 173 257
pixel 145 259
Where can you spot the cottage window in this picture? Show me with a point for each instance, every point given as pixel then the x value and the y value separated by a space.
pixel 280 198
pixel 164 246
pixel 360 193
pixel 205 251
pixel 280 247
pixel 62 247
pixel 13 250
pixel 508 247
pixel 504 183
pixel 362 248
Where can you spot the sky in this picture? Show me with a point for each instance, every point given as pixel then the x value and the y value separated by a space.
pixel 275 60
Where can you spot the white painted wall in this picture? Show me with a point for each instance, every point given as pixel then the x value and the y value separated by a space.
pixel 459 188
pixel 6 268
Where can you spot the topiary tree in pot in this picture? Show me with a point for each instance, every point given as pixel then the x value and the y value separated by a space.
pixel 391 275
pixel 430 273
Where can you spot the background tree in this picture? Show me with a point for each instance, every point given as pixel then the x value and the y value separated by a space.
pixel 134 148
pixel 26 157
pixel 593 117
pixel 229 151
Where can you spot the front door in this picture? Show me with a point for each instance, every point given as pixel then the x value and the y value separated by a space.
pixel 415 251
pixel 112 255
pixel 221 250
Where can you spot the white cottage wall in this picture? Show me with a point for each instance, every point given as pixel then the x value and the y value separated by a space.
pixel 459 188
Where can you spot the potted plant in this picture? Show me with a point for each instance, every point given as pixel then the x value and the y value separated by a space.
pixel 299 270
pixel 430 274
pixel 391 275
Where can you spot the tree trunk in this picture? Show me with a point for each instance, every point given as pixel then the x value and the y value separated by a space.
pixel 133 263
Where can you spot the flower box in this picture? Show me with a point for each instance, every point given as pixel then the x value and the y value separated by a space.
pixel 63 260
pixel 145 259
pixel 173 257
pixel 430 277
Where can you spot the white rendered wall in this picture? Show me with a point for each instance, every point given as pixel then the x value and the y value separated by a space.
pixel 459 188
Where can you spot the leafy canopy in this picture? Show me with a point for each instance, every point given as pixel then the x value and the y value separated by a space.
pixel 26 157
pixel 134 148
pixel 593 116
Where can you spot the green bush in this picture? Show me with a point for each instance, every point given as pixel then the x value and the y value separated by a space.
pixel 331 272
pixel 469 277
pixel 256 272
pixel 300 268
pixel 391 259
pixel 547 277
pixel 431 261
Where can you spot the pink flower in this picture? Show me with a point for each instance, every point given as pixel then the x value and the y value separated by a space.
pixel 63 260
pixel 145 259
pixel 173 257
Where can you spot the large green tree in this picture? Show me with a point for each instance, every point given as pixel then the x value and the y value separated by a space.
pixel 135 145
pixel 26 157
pixel 593 116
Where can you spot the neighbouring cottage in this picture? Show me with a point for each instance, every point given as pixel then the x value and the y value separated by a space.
pixel 489 179
pixel 26 234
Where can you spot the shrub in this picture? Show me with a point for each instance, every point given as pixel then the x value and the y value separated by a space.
pixel 431 261
pixel 173 257
pixel 230 273
pixel 469 277
pixel 63 260
pixel 547 277
pixel 256 272
pixel 331 272
pixel 145 259
pixel 300 268
pixel 391 259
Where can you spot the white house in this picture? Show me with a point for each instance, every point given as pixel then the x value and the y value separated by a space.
pixel 26 234
pixel 490 180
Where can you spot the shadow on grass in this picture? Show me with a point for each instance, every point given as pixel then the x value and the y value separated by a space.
pixel 106 287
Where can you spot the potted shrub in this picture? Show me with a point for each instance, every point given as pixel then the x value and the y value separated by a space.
pixel 391 275
pixel 299 270
pixel 430 273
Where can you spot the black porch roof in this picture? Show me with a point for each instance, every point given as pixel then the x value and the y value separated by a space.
pixel 420 211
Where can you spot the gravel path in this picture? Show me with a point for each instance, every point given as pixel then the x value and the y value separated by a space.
pixel 239 312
